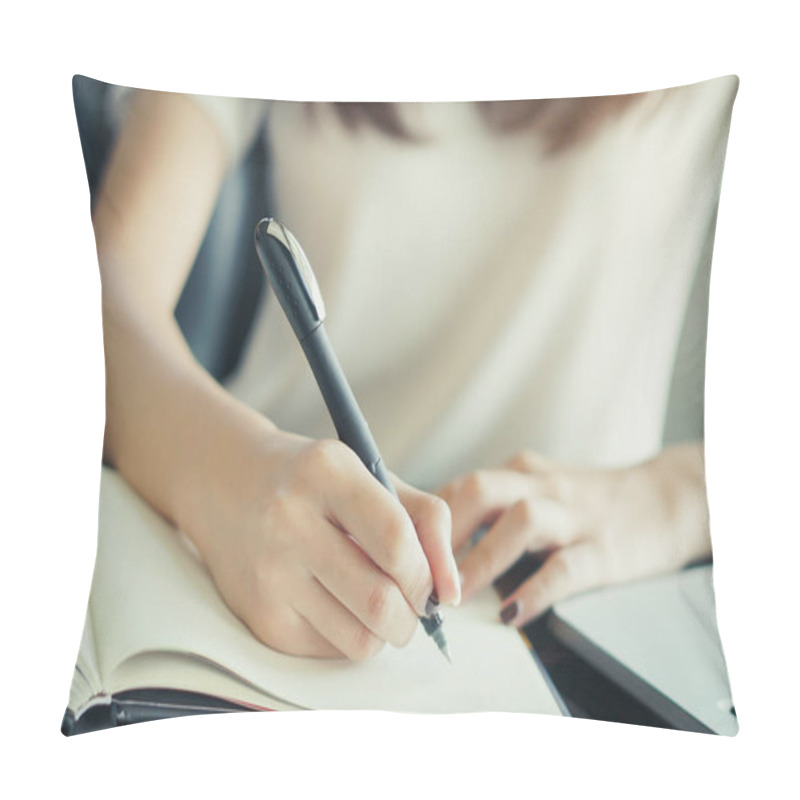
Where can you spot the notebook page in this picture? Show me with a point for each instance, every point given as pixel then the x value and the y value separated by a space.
pixel 151 593
pixel 161 670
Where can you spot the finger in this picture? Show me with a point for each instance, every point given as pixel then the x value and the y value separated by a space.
pixel 336 624
pixel 291 633
pixel 497 550
pixel 361 506
pixel 432 521
pixel 567 571
pixel 528 526
pixel 529 461
pixel 312 644
pixel 480 498
pixel 366 593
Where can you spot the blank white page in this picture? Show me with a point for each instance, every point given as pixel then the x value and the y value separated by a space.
pixel 152 593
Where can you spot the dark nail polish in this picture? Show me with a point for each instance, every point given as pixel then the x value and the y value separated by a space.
pixel 509 612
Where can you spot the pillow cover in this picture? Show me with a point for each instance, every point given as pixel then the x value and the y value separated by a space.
pixel 518 294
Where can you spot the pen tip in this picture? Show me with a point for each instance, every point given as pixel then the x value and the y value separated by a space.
pixel 437 635
pixel 445 650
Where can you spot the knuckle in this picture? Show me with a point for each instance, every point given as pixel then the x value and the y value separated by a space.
pixel 562 488
pixel 525 512
pixel 529 461
pixel 435 514
pixel 274 630
pixel 364 645
pixel 321 457
pixel 395 544
pixel 475 485
pixel 379 604
pixel 446 493
pixel 280 510
pixel 521 460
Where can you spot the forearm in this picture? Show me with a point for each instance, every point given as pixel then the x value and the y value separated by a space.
pixel 171 430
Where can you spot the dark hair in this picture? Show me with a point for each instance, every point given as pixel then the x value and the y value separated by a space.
pixel 559 122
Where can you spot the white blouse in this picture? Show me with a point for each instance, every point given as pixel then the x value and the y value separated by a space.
pixel 483 297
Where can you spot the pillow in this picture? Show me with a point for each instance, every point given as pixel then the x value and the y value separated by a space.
pixel 517 293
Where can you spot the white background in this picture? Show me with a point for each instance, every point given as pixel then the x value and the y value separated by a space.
pixel 52 395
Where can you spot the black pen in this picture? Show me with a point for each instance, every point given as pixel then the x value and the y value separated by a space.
pixel 293 283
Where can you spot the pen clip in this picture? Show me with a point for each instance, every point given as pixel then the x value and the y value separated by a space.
pixel 308 281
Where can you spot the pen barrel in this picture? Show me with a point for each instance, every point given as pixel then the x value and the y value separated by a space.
pixel 351 427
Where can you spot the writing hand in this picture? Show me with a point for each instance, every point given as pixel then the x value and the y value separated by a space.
pixel 318 558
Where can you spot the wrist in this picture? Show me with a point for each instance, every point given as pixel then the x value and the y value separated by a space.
pixel 678 474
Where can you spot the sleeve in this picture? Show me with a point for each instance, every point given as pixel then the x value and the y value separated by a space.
pixel 238 120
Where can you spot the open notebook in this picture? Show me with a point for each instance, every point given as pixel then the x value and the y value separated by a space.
pixel 156 621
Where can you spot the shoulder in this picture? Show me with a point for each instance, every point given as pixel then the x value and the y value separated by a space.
pixel 238 120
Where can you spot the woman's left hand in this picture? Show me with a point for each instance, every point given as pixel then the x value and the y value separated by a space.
pixel 594 526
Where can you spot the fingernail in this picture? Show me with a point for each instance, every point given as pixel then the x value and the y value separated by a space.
pixel 461 583
pixel 509 612
pixel 457 601
pixel 430 601
pixel 432 604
